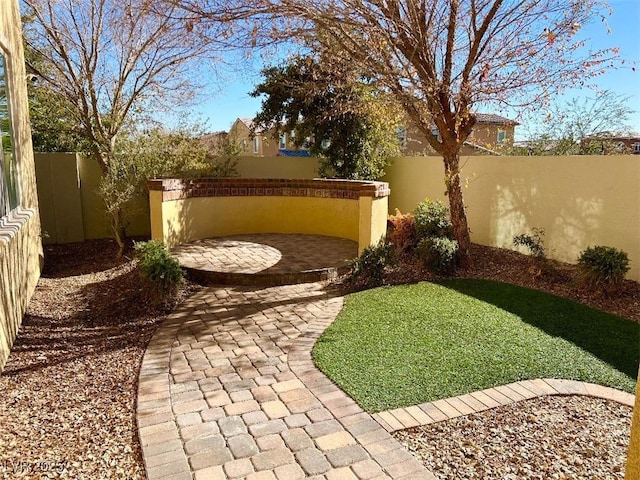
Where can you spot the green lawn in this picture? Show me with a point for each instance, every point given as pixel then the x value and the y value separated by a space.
pixel 404 345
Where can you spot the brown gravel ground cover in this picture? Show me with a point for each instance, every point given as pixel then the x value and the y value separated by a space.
pixel 68 391
pixel 544 438
pixel 67 408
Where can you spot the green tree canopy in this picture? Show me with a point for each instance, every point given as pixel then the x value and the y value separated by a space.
pixel 344 120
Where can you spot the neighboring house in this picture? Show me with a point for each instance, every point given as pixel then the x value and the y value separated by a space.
pixel 491 134
pixel 611 143
pixel 263 143
pixel 20 244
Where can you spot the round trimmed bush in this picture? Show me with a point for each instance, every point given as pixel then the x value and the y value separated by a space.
pixel 603 267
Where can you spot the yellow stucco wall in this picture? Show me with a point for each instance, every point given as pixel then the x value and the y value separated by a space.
pixel 196 218
pixel 633 456
pixel 373 220
pixel 20 245
pixel 579 201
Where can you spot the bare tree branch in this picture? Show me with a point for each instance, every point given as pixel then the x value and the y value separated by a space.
pixel 439 58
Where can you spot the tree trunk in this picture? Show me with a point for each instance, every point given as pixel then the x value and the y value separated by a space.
pixel 456 205
pixel 114 209
pixel 119 232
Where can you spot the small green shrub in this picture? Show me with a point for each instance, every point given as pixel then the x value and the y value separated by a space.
pixel 432 220
pixel 603 268
pixel 439 253
pixel 161 272
pixel 368 269
pixel 533 241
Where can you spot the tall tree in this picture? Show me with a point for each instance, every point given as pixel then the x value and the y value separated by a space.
pixel 440 58
pixel 345 121
pixel 111 60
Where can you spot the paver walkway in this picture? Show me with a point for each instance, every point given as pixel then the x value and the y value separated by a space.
pixel 228 389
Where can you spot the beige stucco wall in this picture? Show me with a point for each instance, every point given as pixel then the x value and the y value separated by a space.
pixel 72 211
pixel 60 197
pixel 71 208
pixel 579 201
pixel 20 245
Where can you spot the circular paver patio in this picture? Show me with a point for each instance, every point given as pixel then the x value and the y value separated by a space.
pixel 266 259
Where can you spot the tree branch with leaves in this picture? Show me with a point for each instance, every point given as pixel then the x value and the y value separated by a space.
pixel 342 119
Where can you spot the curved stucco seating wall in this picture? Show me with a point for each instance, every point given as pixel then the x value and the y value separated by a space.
pixel 183 210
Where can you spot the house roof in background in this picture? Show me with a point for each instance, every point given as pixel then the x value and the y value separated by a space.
pixel 493 119
pixel 248 122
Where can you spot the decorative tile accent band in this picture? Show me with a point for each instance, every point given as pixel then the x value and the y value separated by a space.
pixel 178 188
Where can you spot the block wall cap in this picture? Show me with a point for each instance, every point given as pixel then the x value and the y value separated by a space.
pixel 175 189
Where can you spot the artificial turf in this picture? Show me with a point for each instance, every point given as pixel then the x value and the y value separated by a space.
pixel 398 346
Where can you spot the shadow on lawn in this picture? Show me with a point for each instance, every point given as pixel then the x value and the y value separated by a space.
pixel 612 339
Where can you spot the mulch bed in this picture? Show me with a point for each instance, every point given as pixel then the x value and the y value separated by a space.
pixel 557 278
pixel 543 438
pixel 69 388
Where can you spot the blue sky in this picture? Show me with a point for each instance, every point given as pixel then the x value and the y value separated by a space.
pixel 231 98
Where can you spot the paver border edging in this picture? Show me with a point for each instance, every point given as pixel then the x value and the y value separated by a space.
pixel 157 430
pixel 481 400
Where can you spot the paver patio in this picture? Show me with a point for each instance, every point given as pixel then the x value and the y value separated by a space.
pixel 228 389
pixel 266 259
